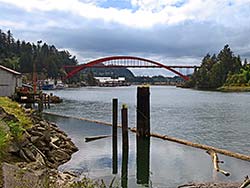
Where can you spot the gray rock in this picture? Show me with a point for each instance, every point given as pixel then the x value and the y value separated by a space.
pixel 35 133
pixel 29 154
pixel 23 156
pixel 24 142
pixel 14 177
pixel 34 139
pixel 43 124
pixel 13 148
pixel 40 144
pixel 59 155
pixel 70 147
pixel 40 129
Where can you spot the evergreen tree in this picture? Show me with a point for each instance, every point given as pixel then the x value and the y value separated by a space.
pixel 21 56
pixel 215 70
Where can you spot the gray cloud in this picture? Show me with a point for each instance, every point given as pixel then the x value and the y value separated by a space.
pixel 189 39
pixel 92 38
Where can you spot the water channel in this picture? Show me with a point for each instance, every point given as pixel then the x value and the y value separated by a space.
pixel 213 118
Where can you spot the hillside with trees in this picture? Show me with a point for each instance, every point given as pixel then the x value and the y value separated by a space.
pixel 111 72
pixel 220 70
pixel 22 56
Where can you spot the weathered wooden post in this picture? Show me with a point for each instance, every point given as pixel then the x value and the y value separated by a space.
pixel 45 100
pixel 125 147
pixel 48 101
pixel 114 135
pixel 40 102
pixel 124 127
pixel 143 135
pixel 143 111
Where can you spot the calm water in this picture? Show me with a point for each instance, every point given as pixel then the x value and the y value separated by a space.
pixel 213 118
pixel 168 166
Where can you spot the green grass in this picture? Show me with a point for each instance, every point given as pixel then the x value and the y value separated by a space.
pixel 10 129
pixel 14 108
pixel 234 88
pixel 4 139
pixel 16 130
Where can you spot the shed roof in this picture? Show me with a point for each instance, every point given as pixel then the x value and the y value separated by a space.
pixel 9 70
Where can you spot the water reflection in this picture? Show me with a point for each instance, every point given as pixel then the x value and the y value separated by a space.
pixel 142 160
pixel 124 173
pixel 114 163
pixel 162 164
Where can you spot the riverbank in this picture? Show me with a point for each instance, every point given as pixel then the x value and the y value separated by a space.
pixel 234 88
pixel 31 148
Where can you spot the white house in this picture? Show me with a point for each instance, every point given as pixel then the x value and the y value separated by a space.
pixel 9 80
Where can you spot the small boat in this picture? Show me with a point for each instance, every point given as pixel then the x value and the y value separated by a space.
pixel 60 86
pixel 48 87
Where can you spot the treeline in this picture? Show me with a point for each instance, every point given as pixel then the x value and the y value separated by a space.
pixel 156 80
pixel 218 70
pixel 22 56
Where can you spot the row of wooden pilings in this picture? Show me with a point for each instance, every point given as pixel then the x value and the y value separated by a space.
pixel 142 138
pixel 44 101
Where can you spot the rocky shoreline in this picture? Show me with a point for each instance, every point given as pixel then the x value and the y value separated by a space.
pixel 36 155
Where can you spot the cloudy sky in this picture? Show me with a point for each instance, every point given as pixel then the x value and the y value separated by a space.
pixel 169 31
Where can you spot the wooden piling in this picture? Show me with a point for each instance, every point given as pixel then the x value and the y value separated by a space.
pixel 44 101
pixel 125 147
pixel 48 101
pixel 114 135
pixel 124 126
pixel 40 102
pixel 124 173
pixel 142 160
pixel 143 111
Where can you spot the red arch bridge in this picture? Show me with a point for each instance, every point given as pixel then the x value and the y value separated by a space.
pixel 127 62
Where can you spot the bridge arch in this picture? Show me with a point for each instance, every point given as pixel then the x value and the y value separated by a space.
pixel 97 62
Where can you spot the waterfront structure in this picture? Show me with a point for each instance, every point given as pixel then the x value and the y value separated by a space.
pixel 9 81
pixel 108 81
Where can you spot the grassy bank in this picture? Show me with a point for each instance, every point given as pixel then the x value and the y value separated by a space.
pixel 12 127
pixel 234 88
pixel 15 109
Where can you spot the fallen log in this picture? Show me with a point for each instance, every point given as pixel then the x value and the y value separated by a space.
pixel 172 139
pixel 245 183
pixel 216 162
pixel 89 139
pixel 200 146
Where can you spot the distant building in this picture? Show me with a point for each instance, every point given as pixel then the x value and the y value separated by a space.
pixel 9 80
pixel 108 81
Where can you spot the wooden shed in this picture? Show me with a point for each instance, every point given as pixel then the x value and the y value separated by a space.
pixel 9 80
